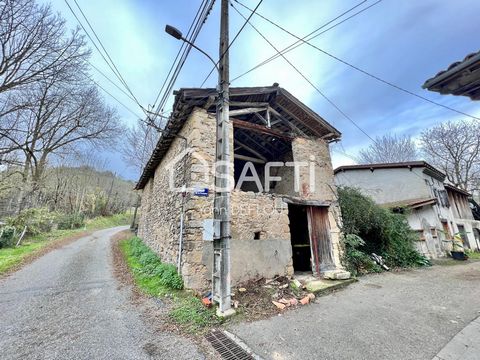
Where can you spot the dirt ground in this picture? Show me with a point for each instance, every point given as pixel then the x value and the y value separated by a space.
pixel 263 298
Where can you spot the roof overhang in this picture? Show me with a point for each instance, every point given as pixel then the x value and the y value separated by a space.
pixel 410 203
pixel 460 78
pixel 428 169
pixel 249 106
pixel 457 190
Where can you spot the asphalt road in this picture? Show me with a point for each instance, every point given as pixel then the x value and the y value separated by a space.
pixel 68 305
pixel 408 315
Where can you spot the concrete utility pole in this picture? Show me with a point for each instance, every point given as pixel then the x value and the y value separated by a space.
pixel 221 243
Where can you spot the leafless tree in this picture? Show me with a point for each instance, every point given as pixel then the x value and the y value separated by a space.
pixel 34 45
pixel 454 147
pixel 61 117
pixel 139 143
pixel 389 148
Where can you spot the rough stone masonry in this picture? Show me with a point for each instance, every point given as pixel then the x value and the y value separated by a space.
pixel 261 244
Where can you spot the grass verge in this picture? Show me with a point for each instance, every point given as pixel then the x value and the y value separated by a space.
pixel 473 255
pixel 10 258
pixel 160 280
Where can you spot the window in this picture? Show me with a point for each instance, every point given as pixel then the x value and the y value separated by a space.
pixel 442 197
pixel 421 235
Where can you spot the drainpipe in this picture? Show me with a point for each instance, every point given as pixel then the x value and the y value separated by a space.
pixel 180 241
pixel 182 211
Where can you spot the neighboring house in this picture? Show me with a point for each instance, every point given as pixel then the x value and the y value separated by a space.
pixel 437 211
pixel 460 78
pixel 467 225
pixel 279 225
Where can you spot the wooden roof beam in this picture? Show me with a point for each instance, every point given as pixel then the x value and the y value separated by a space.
pixel 260 144
pixel 248 104
pixel 249 149
pixel 246 111
pixel 259 128
pixel 288 123
pixel 248 158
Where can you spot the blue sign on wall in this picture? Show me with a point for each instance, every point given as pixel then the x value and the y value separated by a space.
pixel 201 192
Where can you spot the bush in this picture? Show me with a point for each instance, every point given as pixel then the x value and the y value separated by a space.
pixel 381 231
pixel 37 221
pixel 70 221
pixel 152 267
pixel 355 260
pixel 169 277
pixel 7 236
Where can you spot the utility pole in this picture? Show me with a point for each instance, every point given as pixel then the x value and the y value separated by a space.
pixel 222 209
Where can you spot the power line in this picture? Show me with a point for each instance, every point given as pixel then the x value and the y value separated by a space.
pixel 194 33
pixel 234 38
pixel 106 52
pixel 116 99
pixel 179 52
pixel 316 88
pixel 367 73
pixel 114 68
pixel 193 36
pixel 298 43
pixel 111 81
pixel 305 77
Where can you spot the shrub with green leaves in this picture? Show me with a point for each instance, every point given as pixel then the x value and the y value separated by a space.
pixel 37 220
pixel 70 221
pixel 381 231
pixel 151 267
pixel 7 236
pixel 355 260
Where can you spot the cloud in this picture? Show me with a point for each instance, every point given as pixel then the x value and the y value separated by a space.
pixel 401 41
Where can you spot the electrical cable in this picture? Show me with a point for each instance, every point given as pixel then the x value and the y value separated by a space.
pixel 298 43
pixel 105 50
pixel 369 74
pixel 114 70
pixel 231 43
pixel 306 78
pixel 179 52
pixel 196 30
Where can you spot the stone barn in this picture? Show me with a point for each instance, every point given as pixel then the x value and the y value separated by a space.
pixel 285 217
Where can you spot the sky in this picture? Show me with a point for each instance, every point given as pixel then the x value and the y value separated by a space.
pixel 404 42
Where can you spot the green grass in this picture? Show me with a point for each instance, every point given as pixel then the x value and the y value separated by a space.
pixel 10 257
pixel 160 280
pixel 103 222
pixel 473 255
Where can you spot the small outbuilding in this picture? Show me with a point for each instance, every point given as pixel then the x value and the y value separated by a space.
pixel 285 217
pixel 435 210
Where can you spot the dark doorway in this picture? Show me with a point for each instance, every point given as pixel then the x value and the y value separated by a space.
pixel 301 252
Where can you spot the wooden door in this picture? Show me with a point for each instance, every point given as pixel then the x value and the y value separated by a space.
pixel 320 239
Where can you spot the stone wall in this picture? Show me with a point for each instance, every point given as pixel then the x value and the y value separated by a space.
pixel 260 236
pixel 186 162
pixel 317 182
pixel 260 241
